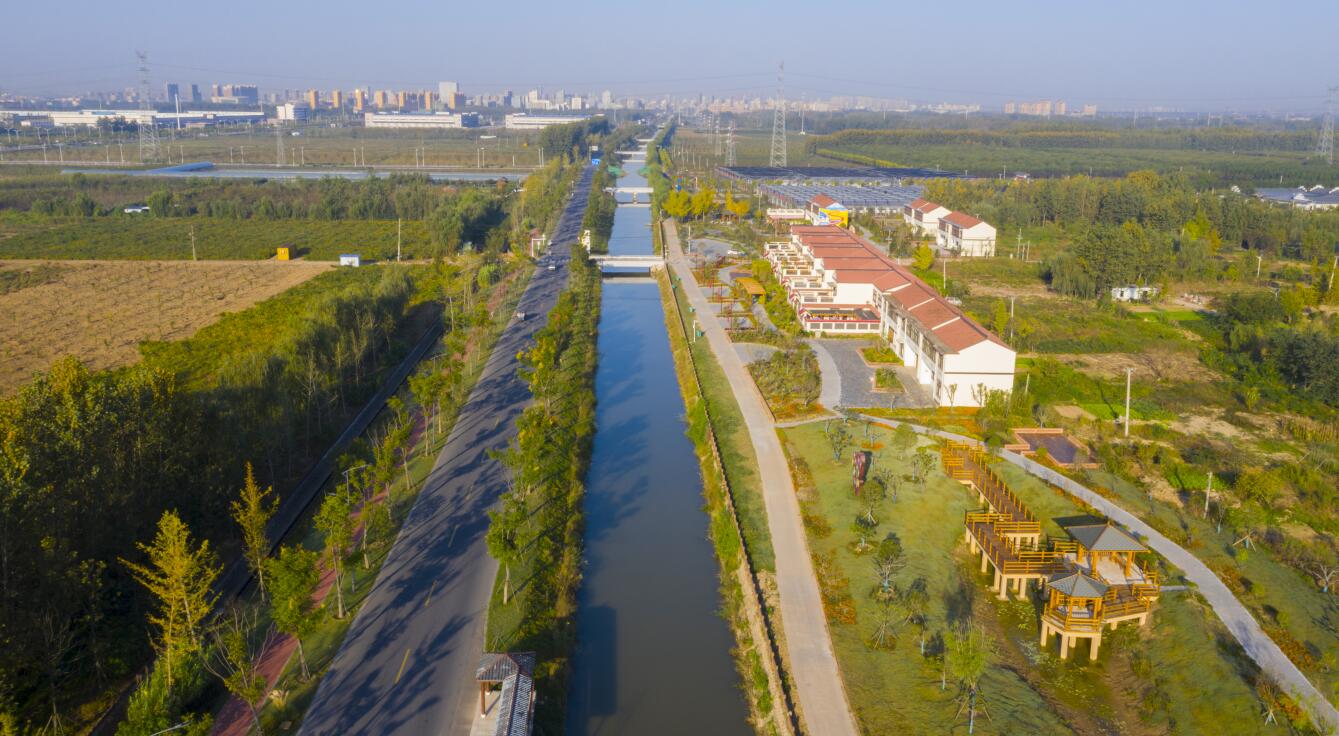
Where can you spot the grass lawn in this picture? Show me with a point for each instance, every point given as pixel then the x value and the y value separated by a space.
pixel 741 464
pixel 1152 680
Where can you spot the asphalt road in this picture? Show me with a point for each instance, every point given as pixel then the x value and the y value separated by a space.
pixel 407 663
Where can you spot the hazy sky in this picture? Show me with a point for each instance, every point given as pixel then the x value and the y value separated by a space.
pixel 1194 54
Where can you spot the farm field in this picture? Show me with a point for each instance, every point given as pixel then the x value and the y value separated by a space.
pixel 24 236
pixel 101 311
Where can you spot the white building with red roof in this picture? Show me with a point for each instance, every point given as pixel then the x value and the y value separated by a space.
pixel 923 215
pixel 841 284
pixel 963 235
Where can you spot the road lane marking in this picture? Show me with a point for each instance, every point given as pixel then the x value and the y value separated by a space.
pixel 430 591
pixel 452 540
pixel 403 662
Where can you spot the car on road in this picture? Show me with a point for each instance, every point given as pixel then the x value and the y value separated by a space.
pixel 552 267
pixel 520 314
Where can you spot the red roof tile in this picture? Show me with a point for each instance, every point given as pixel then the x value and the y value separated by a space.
pixel 822 200
pixel 961 219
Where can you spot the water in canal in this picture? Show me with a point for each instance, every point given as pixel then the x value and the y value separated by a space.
pixel 653 655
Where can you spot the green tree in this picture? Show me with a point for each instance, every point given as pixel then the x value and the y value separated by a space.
pixel 252 512
pixel 294 574
pixel 180 576
pixel 235 658
pixel 703 202
pixel 969 654
pixel 160 203
pixel 923 258
pixel 503 538
pixel 334 520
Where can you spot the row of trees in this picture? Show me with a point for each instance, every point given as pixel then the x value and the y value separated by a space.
pixel 538 524
pixel 1164 203
pixel 407 196
pixel 89 461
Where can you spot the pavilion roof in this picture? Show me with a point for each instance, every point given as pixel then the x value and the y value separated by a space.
pixel 1078 585
pixel 498 666
pixel 1105 538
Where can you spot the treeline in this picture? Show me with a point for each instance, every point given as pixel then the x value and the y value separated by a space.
pixel 537 528
pixel 1270 343
pixel 1041 136
pixel 91 460
pixel 406 196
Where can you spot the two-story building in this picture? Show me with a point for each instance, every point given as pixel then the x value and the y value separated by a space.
pixel 961 234
pixel 841 284
pixel 923 215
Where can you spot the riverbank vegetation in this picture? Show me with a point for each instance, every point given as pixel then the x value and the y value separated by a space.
pixel 535 533
pixel 898 598
pixel 737 525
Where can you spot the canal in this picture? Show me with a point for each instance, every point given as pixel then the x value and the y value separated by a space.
pixel 653 654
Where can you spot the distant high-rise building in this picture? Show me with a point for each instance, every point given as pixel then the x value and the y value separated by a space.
pixel 380 99
pixel 446 89
pixel 195 93
pixel 1010 108
pixel 171 91
pixel 429 99
pixel 359 99
pixel 1060 107
pixel 402 100
pixel 215 90
pixel 337 99
pixel 454 101
pixel 313 99
pixel 1089 111
pixel 606 99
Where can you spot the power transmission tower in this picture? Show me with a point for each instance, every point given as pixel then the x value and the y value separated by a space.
pixel 148 126
pixel 716 134
pixel 730 145
pixel 1325 146
pixel 778 157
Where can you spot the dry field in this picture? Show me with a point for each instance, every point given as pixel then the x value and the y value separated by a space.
pixel 101 310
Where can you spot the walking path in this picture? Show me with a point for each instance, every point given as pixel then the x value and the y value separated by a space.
pixel 813 664
pixel 1257 644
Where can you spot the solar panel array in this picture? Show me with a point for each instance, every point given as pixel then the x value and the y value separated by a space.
pixel 853 197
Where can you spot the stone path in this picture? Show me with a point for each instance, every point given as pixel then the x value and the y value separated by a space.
pixel 813 665
pixel 1239 621
pixel 853 376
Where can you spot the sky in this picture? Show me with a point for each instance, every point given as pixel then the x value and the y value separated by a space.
pixel 1131 54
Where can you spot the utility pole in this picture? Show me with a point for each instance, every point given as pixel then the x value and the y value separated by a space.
pixel 398 223
pixel 1129 373
pixel 1207 490
pixel 193 242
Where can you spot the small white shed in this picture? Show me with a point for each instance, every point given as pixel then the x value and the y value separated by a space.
pixel 350 259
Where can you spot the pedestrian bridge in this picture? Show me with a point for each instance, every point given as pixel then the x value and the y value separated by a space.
pixel 632 192
pixel 608 261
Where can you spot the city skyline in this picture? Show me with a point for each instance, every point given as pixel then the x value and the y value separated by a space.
pixel 1114 58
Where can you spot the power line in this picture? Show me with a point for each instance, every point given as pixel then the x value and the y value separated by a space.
pixel 730 145
pixel 778 156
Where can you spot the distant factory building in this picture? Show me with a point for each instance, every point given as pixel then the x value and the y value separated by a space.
pixel 292 112
pixel 527 121
pixel 421 120
pixel 1315 198
pixel 92 118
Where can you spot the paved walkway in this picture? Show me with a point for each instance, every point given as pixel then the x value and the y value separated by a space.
pixel 854 377
pixel 813 665
pixel 831 394
pixel 1257 644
